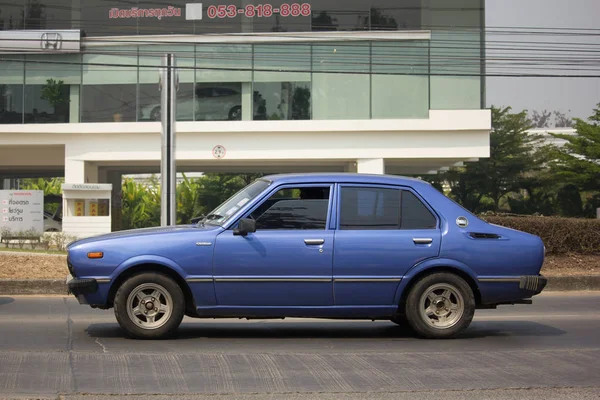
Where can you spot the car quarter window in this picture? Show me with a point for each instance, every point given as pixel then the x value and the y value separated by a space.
pixel 375 208
pixel 414 213
pixel 294 208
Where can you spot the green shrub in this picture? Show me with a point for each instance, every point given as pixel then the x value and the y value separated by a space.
pixel 560 235
pixel 569 201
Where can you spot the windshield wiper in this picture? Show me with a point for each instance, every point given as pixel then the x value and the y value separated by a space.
pixel 211 217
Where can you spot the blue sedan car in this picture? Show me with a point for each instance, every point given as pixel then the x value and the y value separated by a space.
pixel 313 245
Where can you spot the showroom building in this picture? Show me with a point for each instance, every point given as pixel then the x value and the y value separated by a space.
pixel 373 86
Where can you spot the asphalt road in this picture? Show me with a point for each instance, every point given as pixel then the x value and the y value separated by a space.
pixel 51 347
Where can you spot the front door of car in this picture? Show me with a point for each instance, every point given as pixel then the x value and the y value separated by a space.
pixel 382 232
pixel 287 262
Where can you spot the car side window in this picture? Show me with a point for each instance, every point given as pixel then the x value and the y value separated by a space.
pixel 374 208
pixel 414 213
pixel 370 208
pixel 294 208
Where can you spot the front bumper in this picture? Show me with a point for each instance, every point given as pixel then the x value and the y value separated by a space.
pixel 81 287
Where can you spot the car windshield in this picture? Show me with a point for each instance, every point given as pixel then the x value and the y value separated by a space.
pixel 221 214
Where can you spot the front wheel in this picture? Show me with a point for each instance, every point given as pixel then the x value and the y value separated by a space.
pixel 149 306
pixel 440 306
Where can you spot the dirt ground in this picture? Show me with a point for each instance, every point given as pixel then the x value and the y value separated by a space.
pixel 53 266
pixel 32 266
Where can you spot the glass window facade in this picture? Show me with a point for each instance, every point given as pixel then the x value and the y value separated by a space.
pixel 282 82
pixel 400 81
pixel 320 80
pixel 109 85
pixel 11 89
pixel 341 80
pixel 456 54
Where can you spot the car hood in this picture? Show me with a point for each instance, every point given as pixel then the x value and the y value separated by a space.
pixel 143 232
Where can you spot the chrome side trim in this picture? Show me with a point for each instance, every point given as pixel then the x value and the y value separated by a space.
pixel 367 279
pixel 196 280
pixel 499 280
pixel 103 280
pixel 272 279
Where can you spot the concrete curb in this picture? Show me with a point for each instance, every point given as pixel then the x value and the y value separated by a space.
pixel 573 283
pixel 33 286
pixel 58 287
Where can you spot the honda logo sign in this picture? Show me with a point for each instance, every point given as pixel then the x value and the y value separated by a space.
pixel 51 41
pixel 40 41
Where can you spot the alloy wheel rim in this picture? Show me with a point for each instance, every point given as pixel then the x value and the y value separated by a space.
pixel 149 306
pixel 441 306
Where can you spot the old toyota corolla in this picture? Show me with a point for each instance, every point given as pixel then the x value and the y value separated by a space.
pixel 315 245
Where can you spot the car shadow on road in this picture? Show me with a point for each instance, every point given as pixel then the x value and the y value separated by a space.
pixel 510 328
pixel 6 300
pixel 341 330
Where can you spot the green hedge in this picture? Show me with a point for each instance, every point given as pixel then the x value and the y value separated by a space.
pixel 560 235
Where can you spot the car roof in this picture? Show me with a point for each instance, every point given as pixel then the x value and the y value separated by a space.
pixel 344 178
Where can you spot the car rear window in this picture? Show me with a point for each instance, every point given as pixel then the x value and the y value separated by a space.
pixel 376 208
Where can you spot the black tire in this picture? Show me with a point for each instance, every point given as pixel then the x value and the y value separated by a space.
pixel 400 320
pixel 127 320
pixel 235 113
pixel 416 302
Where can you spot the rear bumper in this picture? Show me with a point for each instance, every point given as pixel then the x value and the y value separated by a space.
pixel 81 287
pixel 510 289
pixel 533 283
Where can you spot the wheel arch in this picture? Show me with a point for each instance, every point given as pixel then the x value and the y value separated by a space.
pixel 152 266
pixel 418 272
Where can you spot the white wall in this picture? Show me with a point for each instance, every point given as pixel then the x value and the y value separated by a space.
pixel 453 135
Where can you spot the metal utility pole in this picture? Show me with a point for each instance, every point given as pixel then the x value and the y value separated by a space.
pixel 168 86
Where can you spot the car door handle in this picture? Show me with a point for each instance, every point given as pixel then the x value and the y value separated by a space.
pixel 314 242
pixel 422 240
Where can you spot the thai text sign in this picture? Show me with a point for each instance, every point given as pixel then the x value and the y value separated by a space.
pixel 22 211
pixel 136 12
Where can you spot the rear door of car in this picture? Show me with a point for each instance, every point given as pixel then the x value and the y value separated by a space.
pixel 382 231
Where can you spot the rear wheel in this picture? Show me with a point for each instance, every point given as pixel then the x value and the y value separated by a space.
pixel 149 306
pixel 440 305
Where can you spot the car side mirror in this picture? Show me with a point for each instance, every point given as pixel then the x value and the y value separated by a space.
pixel 245 227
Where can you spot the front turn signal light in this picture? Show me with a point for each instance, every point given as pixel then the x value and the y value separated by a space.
pixel 97 254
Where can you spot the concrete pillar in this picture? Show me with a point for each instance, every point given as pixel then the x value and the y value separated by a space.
pixel 74 103
pixel 247 100
pixel 370 166
pixel 91 172
pixel 115 178
pixel 74 171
